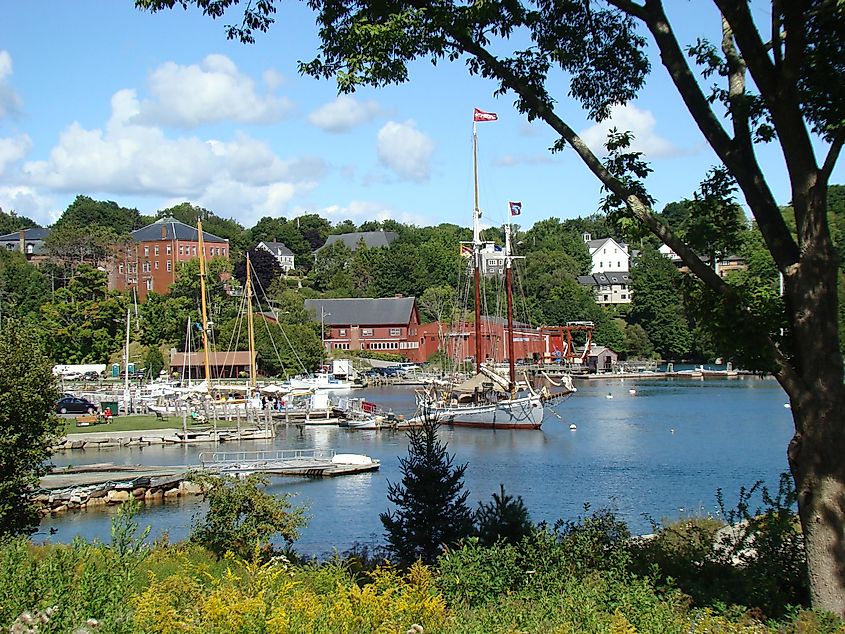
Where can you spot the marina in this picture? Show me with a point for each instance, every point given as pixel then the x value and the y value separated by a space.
pixel 661 452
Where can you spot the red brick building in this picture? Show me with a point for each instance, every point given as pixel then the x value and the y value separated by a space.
pixel 152 259
pixel 530 344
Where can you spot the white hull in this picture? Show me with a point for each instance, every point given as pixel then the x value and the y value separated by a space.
pixel 524 412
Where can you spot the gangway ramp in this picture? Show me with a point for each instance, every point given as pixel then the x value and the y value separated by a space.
pixel 287 462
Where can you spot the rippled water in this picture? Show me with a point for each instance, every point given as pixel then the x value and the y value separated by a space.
pixel 662 453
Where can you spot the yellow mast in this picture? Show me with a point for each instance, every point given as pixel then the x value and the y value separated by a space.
pixel 204 308
pixel 250 329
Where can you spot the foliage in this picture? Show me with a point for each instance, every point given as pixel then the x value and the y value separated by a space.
pixel 505 519
pixel 282 348
pixel 11 222
pixel 164 319
pixel 431 511
pixel 71 244
pixel 153 362
pixel 242 518
pixel 87 212
pixel 277 597
pixel 265 269
pixel 750 557
pixel 637 344
pixel 28 394
pixel 658 305
pixel 23 287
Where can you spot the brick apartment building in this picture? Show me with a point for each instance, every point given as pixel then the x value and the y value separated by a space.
pixel 152 259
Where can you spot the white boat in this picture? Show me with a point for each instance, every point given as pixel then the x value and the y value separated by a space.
pixel 363 415
pixel 487 400
pixel 319 381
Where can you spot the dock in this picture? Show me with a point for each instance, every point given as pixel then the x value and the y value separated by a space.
pixel 78 487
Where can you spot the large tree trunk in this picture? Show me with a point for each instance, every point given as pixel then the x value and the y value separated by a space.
pixel 817 461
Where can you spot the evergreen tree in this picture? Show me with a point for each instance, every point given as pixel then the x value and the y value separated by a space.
pixel 431 505
pixel 505 519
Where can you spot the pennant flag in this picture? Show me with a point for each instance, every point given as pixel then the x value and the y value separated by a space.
pixel 466 250
pixel 516 208
pixel 480 115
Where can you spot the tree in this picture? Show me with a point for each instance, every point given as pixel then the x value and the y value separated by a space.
pixel 265 269
pixel 658 305
pixel 242 517
pixel 87 212
pixel 637 343
pixel 784 82
pixel 28 426
pixel 153 362
pixel 505 519
pixel 431 511
pixel 11 222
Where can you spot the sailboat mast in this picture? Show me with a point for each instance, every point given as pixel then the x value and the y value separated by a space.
pixel 250 328
pixel 509 295
pixel 476 251
pixel 204 308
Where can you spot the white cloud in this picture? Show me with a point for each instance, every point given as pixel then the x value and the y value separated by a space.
pixel 10 102
pixel 343 114
pixel 361 210
pixel 641 123
pixel 29 202
pixel 13 149
pixel 405 150
pixel 211 91
pixel 239 177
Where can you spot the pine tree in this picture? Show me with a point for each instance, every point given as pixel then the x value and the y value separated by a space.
pixel 431 510
pixel 504 519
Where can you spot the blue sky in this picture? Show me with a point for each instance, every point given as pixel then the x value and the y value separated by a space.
pixel 98 98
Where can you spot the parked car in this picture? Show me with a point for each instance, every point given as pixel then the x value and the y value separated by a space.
pixel 91 376
pixel 74 405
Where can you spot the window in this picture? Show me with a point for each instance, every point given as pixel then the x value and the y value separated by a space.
pixel 224 251
pixel 156 265
pixel 150 284
pixel 155 249
pixel 605 298
pixel 169 266
pixel 30 249
pixel 623 296
pixel 181 250
pixel 146 252
pixel 168 249
pixel 146 267
pixel 619 265
pixel 193 250
pixel 366 332
pixel 341 332
pixel 601 265
pixel 395 332
pixel 120 268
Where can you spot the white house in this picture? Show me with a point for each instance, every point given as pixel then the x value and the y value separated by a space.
pixel 607 255
pixel 278 250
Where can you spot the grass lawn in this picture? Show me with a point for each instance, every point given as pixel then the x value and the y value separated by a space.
pixel 135 422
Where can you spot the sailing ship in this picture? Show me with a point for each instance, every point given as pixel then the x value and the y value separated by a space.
pixel 488 400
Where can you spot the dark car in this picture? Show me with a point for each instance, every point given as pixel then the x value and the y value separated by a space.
pixel 75 405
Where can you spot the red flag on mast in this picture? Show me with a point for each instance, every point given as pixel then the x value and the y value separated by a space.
pixel 480 115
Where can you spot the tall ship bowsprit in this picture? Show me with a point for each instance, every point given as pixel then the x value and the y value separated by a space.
pixel 488 399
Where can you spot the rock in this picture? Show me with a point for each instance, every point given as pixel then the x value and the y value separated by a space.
pixel 138 493
pixel 98 493
pixel 98 501
pixel 171 493
pixel 59 509
pixel 190 488
pixel 117 497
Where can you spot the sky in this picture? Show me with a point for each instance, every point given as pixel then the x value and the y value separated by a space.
pixel 151 110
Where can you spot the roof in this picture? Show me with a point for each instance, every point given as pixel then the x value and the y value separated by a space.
pixel 372 239
pixel 276 248
pixel 362 311
pixel 597 350
pixel 34 233
pixel 216 359
pixel 595 244
pixel 605 279
pixel 171 229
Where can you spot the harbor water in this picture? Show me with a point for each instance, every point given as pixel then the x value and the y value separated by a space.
pixel 660 453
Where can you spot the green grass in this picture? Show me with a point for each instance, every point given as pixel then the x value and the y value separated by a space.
pixel 135 422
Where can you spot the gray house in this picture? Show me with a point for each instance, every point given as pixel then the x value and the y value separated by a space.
pixel 371 239
pixel 30 242
pixel 278 250
pixel 601 359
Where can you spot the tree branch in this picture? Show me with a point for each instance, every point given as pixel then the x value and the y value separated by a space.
pixel 831 158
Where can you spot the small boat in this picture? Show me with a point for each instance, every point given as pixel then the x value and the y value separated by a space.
pixel 319 381
pixel 361 415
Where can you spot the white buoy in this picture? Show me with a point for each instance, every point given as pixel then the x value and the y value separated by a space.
pixel 573 427
pixel 672 430
pixel 787 405
pixel 609 395
pixel 632 392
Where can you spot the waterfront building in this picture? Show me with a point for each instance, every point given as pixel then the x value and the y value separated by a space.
pixel 151 258
pixel 227 365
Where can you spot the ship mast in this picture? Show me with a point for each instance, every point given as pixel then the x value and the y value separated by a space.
pixel 250 328
pixel 204 309
pixel 509 295
pixel 476 250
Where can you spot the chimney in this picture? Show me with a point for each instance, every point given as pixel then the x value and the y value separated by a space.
pixel 399 296
pixel 22 240
pixel 163 231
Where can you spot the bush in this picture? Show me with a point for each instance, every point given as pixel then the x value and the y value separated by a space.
pixel 242 517
pixel 504 519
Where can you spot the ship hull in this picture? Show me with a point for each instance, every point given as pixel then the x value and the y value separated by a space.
pixel 519 413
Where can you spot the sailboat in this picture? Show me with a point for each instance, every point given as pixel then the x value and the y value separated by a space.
pixel 487 400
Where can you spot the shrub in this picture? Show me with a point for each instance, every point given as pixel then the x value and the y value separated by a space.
pixel 241 516
pixel 504 519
